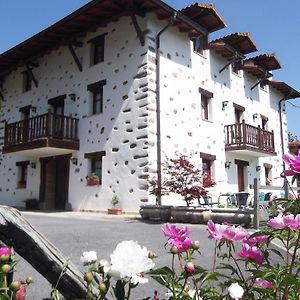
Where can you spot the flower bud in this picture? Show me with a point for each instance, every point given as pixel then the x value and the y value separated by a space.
pixel 4 258
pixel 174 250
pixel 6 268
pixel 189 267
pixel 195 245
pixel 88 277
pixel 102 288
pixel 15 286
pixel 152 254
pixel 29 280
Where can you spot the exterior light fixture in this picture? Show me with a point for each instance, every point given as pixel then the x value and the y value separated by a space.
pixel 255 116
pixel 224 104
pixel 74 160
pixel 227 164
pixel 33 109
pixel 258 168
pixel 33 165
pixel 72 96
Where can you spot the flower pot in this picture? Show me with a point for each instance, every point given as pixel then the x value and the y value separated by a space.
pixel 92 181
pixel 231 216
pixel 115 211
pixel 155 212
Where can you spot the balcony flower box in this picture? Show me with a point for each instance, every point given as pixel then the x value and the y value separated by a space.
pixel 93 179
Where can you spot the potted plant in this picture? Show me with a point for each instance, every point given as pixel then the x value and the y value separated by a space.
pixel 115 210
pixel 93 179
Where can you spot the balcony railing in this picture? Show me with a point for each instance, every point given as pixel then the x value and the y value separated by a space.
pixel 46 126
pixel 242 136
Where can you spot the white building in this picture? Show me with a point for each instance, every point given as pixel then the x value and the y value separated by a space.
pixel 82 97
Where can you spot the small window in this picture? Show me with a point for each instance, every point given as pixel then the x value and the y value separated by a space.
pixel 199 44
pixel 95 163
pixel 27 82
pixel 97 49
pixel 264 122
pixel 235 68
pixel 22 174
pixel 207 169
pixel 206 97
pixel 204 107
pixel 268 174
pixel 238 113
pixel 96 90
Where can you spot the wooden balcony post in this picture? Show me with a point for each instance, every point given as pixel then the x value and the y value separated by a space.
pixel 259 142
pixel 48 124
pixel 244 137
pixel 272 142
pixel 5 134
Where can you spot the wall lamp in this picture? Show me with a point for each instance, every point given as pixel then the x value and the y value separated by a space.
pixel 255 116
pixel 227 164
pixel 258 168
pixel 224 104
pixel 33 165
pixel 74 160
pixel 72 96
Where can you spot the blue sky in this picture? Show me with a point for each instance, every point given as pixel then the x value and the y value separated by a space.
pixel 274 27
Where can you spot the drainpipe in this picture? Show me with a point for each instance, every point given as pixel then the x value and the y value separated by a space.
pixel 158 128
pixel 285 185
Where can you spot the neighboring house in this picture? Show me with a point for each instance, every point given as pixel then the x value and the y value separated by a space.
pixel 87 95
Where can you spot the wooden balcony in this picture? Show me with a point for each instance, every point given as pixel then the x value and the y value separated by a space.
pixel 248 139
pixel 55 133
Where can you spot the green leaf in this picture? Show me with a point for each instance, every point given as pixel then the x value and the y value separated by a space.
pixel 276 252
pixel 120 290
pixel 4 297
pixel 227 267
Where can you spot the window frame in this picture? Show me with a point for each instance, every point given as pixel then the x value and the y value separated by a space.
pixel 206 104
pixel 97 43
pixel 208 160
pixel 95 89
pixel 95 157
pixel 22 173
pixel 200 44
pixel 27 82
pixel 268 174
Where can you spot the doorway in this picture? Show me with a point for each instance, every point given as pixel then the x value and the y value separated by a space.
pixel 241 174
pixel 54 188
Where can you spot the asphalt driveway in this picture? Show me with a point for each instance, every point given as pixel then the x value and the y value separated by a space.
pixel 74 233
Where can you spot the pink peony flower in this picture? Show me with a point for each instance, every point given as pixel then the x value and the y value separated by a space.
pixel 225 232
pixel 257 240
pixel 178 237
pixel 263 283
pixel 5 251
pixel 253 253
pixel 21 293
pixel 288 221
pixel 293 162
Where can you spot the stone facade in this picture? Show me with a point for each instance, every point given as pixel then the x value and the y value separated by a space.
pixel 126 129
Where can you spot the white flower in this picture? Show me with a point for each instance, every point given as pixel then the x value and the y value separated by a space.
pixel 235 291
pixel 88 257
pixel 129 261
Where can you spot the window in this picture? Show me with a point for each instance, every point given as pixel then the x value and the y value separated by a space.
pixel 27 82
pixel 264 122
pixel 95 163
pixel 199 44
pixel 97 49
pixel 238 113
pixel 207 172
pixel 235 68
pixel 268 174
pixel 96 90
pixel 57 104
pixel 22 173
pixel 205 104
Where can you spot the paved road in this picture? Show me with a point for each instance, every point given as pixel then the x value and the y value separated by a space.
pixel 74 233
